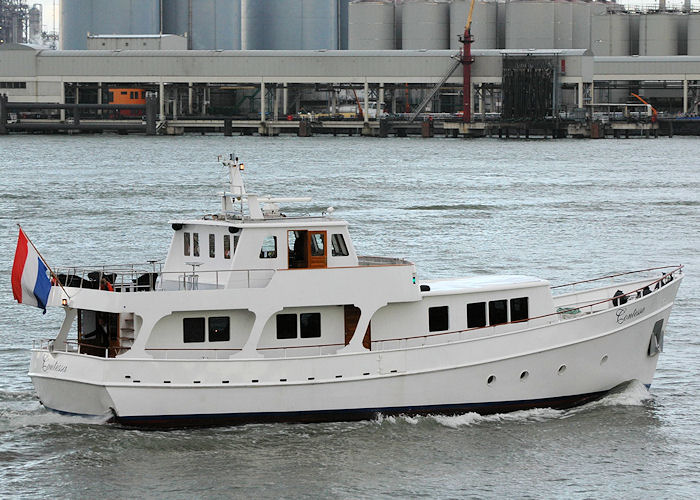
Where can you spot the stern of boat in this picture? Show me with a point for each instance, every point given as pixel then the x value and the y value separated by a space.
pixel 69 382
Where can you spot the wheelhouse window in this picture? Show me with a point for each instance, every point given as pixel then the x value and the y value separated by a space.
pixel 219 329
pixel 438 318
pixel 227 246
pixel 212 246
pixel 269 248
pixel 318 244
pixel 310 325
pixel 476 315
pixel 286 326
pixel 518 309
pixel 195 244
pixel 186 239
pixel 192 330
pixel 498 312
pixel 339 248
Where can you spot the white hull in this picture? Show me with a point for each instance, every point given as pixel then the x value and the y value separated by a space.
pixel 597 351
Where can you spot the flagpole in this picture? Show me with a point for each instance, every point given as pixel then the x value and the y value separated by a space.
pixel 44 261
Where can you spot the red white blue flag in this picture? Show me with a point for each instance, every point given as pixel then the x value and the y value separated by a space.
pixel 30 283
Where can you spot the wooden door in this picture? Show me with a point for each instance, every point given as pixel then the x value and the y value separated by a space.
pixel 318 249
pixel 352 317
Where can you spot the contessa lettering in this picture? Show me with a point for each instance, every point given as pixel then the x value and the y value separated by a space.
pixel 53 366
pixel 622 315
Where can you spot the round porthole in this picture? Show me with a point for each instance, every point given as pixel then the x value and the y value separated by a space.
pixel 604 359
pixel 524 375
pixel 562 369
pixel 491 379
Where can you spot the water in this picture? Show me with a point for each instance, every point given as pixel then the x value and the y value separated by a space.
pixel 563 210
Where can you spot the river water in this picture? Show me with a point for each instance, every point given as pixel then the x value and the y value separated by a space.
pixel 563 210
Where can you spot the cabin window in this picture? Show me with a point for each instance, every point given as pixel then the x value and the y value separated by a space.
pixel 310 325
pixel 498 312
pixel 476 314
pixel 269 248
pixel 518 309
pixel 192 330
pixel 438 318
pixel 124 92
pixel 286 326
pixel 187 243
pixel 227 246
pixel 195 244
pixel 212 246
pixel 317 244
pixel 339 247
pixel 219 329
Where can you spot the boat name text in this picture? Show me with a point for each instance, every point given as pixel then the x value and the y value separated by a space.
pixel 623 316
pixel 49 365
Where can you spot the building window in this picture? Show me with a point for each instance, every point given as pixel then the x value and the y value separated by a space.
pixel 518 309
pixel 227 246
pixel 318 244
pixel 438 318
pixel 286 326
pixel 195 244
pixel 219 329
pixel 476 314
pixel 310 325
pixel 187 244
pixel 212 246
pixel 13 85
pixel 498 312
pixel 339 247
pixel 269 248
pixel 193 330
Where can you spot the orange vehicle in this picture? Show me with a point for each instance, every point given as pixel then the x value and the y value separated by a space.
pixel 127 96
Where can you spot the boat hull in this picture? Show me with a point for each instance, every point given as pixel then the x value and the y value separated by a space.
pixel 559 365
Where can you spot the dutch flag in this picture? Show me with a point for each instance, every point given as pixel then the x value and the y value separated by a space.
pixel 30 283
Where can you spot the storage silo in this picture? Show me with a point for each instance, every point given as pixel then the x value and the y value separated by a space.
pixel 343 24
pixel 581 25
pixel 106 17
pixel 371 25
pixel 484 26
pixel 289 24
pixel 425 24
pixel 125 17
pixel 75 24
pixel 658 34
pixel 694 34
pixel 563 25
pixel 210 24
pixel 610 34
pixel 530 25
pixel 319 24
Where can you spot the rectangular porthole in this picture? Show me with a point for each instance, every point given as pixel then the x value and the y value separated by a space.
pixel 311 378
pixel 498 312
pixel 254 381
pixel 192 330
pixel 224 381
pixel 476 315
pixel 197 382
pixel 438 318
pixel 219 329
pixel 166 381
pixel 310 325
pixel 518 309
pixel 186 240
pixel 286 326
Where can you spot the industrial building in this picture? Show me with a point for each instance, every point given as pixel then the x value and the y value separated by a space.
pixel 265 59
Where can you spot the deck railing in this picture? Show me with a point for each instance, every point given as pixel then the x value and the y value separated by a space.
pixel 151 277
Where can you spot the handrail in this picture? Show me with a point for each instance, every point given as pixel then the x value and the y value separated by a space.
pixel 619 274
pixel 564 311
